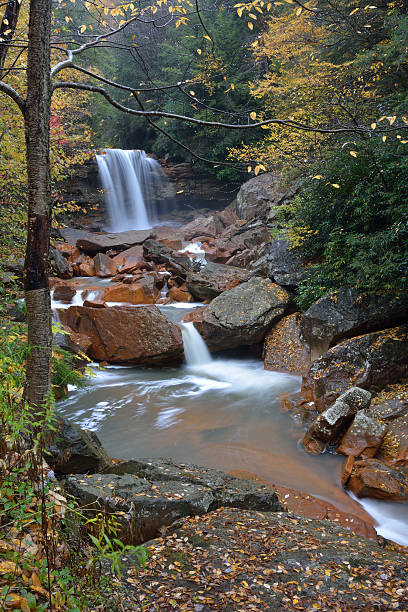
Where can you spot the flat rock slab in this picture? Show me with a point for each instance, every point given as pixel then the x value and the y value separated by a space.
pixel 100 242
pixel 171 491
pixel 237 560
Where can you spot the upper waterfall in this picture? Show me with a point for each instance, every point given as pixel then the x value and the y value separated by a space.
pixel 134 186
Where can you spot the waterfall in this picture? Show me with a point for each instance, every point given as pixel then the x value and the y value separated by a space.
pixel 134 186
pixel 195 349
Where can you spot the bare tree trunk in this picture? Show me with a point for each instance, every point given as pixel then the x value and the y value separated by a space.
pixel 37 132
pixel 7 28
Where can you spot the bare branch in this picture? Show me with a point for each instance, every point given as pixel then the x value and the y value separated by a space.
pixel 14 95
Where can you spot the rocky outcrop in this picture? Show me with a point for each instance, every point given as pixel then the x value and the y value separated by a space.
pixel 213 279
pixel 349 313
pixel 283 349
pixel 372 478
pixel 259 197
pixel 71 449
pixel 371 361
pixel 332 421
pixel 100 242
pixel 176 263
pixel 243 315
pixel 123 334
pixel 283 265
pixel 150 494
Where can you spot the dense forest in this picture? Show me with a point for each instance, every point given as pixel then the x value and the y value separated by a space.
pixel 310 97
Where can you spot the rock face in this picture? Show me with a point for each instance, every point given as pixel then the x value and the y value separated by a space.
pixel 153 493
pixel 371 361
pixel 123 334
pixel 95 242
pixel 176 263
pixel 259 196
pixel 213 279
pixel 332 421
pixel 283 265
pixel 72 449
pixel 283 349
pixel 347 314
pixel 364 436
pixel 243 315
pixel 372 478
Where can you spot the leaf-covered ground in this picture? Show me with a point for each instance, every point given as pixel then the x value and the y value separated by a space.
pixel 239 560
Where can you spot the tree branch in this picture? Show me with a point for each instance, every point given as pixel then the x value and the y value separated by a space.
pixel 14 95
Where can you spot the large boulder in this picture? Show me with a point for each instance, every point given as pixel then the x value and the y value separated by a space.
pixel 104 266
pixel 364 436
pixel 213 279
pixel 142 291
pixel 349 313
pixel 372 478
pixel 283 265
pixel 259 197
pixel 283 349
pixel 201 226
pixel 176 263
pixel 100 242
pixel 243 315
pixel 129 259
pixel 390 407
pixel 371 361
pixel 60 265
pixel 139 335
pixel 71 449
pixel 152 493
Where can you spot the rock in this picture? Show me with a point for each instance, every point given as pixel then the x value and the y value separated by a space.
pixel 332 422
pixel 391 407
pixel 95 304
pixel 213 279
pixel 372 478
pixel 85 266
pixel 60 265
pixel 177 294
pixel 129 259
pixel 125 334
pixel 100 242
pixel 67 250
pixel 347 469
pixel 104 266
pixel 347 314
pixel 243 315
pixel 201 226
pixel 371 361
pixel 64 293
pixel 173 243
pixel 154 493
pixel 142 291
pixel 259 197
pixel 363 437
pixel 72 449
pixel 176 263
pixel 283 265
pixel 283 350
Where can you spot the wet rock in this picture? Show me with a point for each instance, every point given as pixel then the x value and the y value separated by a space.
pixel 372 362
pixel 202 226
pixel 85 266
pixel 129 259
pixel 155 492
pixel 331 422
pixel 372 478
pixel 391 407
pixel 213 279
pixel 347 469
pixel 176 263
pixel 347 314
pixel 71 449
pixel 283 350
pixel 95 242
pixel 60 265
pixel 64 293
pixel 142 291
pixel 243 315
pixel 95 304
pixel 259 197
pixel 124 334
pixel 67 250
pixel 283 265
pixel 363 437
pixel 104 266
pixel 173 243
pixel 178 294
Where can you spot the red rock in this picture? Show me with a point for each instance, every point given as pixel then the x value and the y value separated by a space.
pixel 85 266
pixel 121 334
pixel 95 304
pixel 363 437
pixel 195 315
pixel 104 266
pixel 372 478
pixel 283 350
pixel 139 292
pixel 66 249
pixel 64 293
pixel 174 243
pixel 347 469
pixel 202 226
pixel 129 259
pixel 177 294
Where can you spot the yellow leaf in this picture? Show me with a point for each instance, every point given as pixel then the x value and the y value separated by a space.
pixel 192 93
pixel 327 572
pixel 318 177
pixel 232 86
pixel 354 11
pixel 207 37
pixel 299 10
pixel 392 119
pixel 253 115
pixel 335 185
pixel 257 170
pixel 249 169
pixel 82 28
pixel 250 25
pixel 373 126
pixel 199 51
pixel 353 153
pixel 384 138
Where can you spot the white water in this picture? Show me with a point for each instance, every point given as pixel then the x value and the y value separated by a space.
pixel 391 518
pixel 195 252
pixel 195 349
pixel 132 183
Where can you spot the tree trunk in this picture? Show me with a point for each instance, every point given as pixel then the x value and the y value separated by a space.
pixel 37 133
pixel 7 28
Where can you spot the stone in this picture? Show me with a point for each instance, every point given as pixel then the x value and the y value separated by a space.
pixel 129 259
pixel 371 361
pixel 143 291
pixel 259 197
pixel 60 265
pixel 243 315
pixel 350 313
pixel 124 334
pixel 85 266
pixel 327 426
pixel 213 279
pixel 201 227
pixel 177 294
pixel 372 478
pixel 71 449
pixel 153 493
pixel 64 293
pixel 104 266
pixel 283 265
pixel 176 263
pixel 364 437
pixel 283 350
pixel 67 250
pixel 391 407
pixel 100 242
pixel 347 469
pixel 95 304
pixel 173 243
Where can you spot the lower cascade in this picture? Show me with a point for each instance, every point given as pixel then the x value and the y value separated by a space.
pixel 135 189
pixel 195 349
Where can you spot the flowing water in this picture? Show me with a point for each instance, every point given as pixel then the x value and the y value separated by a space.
pixel 135 187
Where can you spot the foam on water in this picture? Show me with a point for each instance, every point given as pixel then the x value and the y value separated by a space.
pixel 391 518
